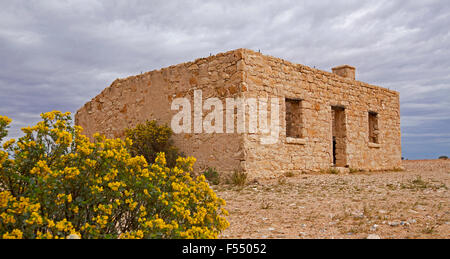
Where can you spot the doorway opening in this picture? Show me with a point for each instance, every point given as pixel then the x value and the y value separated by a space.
pixel 339 136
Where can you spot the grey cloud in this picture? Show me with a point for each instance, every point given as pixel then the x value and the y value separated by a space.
pixel 60 54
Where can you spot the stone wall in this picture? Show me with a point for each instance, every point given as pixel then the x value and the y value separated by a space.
pixel 320 91
pixel 149 96
pixel 248 74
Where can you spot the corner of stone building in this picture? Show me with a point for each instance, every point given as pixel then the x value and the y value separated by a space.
pixel 79 113
pixel 76 118
pixel 244 87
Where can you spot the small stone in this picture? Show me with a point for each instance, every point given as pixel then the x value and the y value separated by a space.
pixel 358 215
pixel 271 229
pixel 412 221
pixel 394 224
pixel 374 227
pixel 420 207
pixel 373 236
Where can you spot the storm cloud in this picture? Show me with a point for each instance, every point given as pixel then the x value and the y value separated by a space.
pixel 57 55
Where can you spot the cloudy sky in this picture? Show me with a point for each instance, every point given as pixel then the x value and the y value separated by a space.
pixel 58 54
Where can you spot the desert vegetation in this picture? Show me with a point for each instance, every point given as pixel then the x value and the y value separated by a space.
pixel 56 183
pixel 408 203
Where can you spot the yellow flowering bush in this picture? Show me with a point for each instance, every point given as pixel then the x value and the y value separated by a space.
pixel 56 183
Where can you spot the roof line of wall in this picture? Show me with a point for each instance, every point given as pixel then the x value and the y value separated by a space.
pixel 314 70
pixel 242 52
pixel 185 64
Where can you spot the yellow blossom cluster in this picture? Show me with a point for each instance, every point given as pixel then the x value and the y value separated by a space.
pixel 56 183
pixel 24 219
pixel 5 120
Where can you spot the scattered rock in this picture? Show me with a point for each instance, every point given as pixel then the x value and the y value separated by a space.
pixel 394 224
pixel 358 215
pixel 334 211
pixel 412 221
pixel 374 227
pixel 420 207
pixel 373 236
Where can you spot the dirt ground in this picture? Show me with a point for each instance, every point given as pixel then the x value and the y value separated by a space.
pixel 410 204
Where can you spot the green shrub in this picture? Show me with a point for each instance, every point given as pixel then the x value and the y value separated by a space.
pixel 354 171
pixel 212 175
pixel 333 171
pixel 239 178
pixel 149 139
pixel 289 174
pixel 55 183
pixel 443 157
pixel 330 170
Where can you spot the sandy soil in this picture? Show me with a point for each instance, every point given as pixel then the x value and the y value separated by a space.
pixel 414 203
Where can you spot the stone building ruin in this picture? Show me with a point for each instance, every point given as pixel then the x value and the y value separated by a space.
pixel 325 119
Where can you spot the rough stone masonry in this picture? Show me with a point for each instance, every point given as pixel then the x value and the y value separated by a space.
pixel 326 119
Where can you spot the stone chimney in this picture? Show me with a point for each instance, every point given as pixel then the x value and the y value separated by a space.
pixel 345 71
